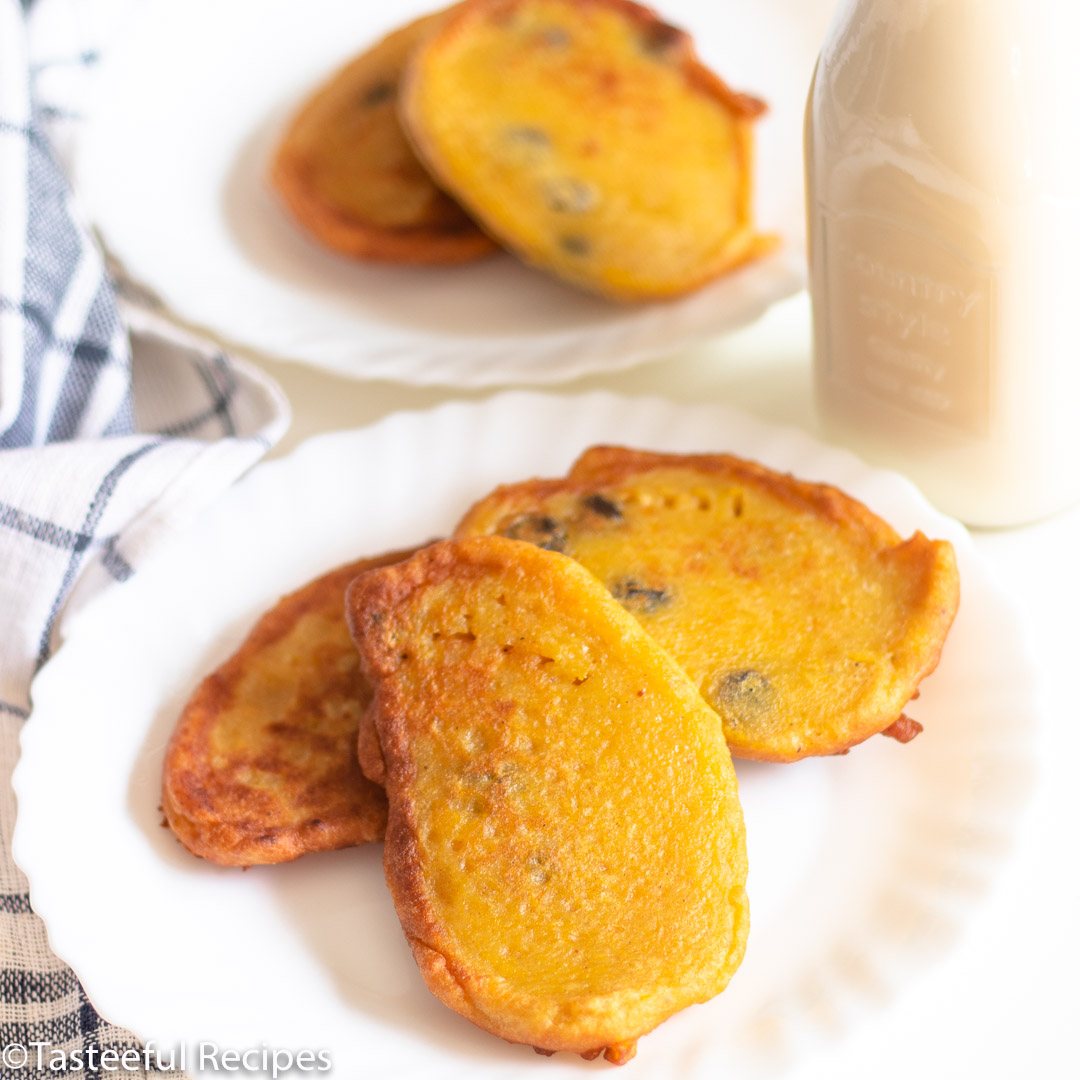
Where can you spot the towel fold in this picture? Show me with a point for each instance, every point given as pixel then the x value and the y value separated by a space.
pixel 115 430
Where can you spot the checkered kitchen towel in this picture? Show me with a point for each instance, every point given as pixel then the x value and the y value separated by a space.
pixel 100 455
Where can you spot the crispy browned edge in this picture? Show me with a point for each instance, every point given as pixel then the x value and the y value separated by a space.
pixel 606 465
pixel 368 750
pixel 185 802
pixel 421 246
pixel 680 46
pixel 382 590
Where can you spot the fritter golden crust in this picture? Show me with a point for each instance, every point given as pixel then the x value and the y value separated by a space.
pixel 348 175
pixel 801 616
pixel 587 137
pixel 262 767
pixel 565 846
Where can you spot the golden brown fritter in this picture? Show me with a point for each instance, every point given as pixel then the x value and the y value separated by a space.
pixel 262 766
pixel 349 176
pixel 565 846
pixel 587 137
pixel 801 616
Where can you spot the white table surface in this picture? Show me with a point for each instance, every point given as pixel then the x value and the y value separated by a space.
pixel 1004 1000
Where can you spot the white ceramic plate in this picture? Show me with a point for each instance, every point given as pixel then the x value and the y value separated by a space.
pixel 190 102
pixel 862 867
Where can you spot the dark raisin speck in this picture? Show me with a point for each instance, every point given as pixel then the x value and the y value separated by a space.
pixel 744 695
pixel 638 598
pixel 532 136
pixel 564 195
pixel 539 529
pixel 661 40
pixel 574 245
pixel 379 94
pixel 599 504
pixel 555 36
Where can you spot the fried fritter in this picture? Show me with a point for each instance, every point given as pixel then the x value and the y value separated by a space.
pixel 587 137
pixel 262 765
pixel 801 616
pixel 349 176
pixel 565 846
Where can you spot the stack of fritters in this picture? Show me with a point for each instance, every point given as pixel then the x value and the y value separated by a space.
pixel 553 696
pixel 585 136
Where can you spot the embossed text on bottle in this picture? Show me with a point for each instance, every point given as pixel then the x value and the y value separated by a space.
pixel 909 319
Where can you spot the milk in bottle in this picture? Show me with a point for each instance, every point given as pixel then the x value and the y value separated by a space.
pixel 943 199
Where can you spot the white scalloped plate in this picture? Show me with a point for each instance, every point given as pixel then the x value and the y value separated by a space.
pixel 862 867
pixel 190 101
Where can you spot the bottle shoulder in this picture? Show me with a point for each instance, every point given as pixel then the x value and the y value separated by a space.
pixel 966 94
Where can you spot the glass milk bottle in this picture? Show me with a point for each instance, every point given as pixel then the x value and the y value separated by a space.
pixel 943 200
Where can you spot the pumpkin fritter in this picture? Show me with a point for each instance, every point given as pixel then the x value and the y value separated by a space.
pixel 565 845
pixel 587 137
pixel 348 175
pixel 802 617
pixel 262 767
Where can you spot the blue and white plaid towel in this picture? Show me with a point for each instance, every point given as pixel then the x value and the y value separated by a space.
pixel 95 465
